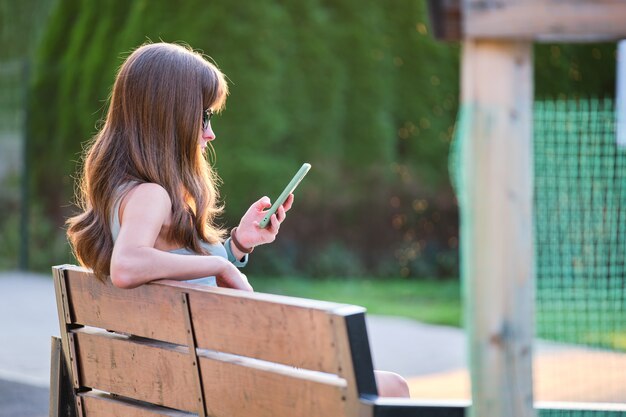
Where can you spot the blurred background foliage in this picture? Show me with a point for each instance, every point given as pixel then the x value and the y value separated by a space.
pixel 22 24
pixel 361 91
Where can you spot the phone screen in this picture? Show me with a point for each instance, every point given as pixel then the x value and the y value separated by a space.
pixel 283 196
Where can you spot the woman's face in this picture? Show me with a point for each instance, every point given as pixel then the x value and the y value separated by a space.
pixel 206 131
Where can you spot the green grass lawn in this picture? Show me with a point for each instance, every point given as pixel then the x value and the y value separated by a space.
pixel 436 302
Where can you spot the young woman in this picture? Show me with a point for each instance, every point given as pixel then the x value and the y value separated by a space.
pixel 148 194
pixel 149 197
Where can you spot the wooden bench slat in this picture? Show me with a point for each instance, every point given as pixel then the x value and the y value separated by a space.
pixel 291 335
pixel 148 311
pixel 97 404
pixel 148 371
pixel 233 389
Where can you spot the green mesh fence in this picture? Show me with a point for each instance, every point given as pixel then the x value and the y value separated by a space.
pixel 580 238
pixel 580 248
pixel 580 221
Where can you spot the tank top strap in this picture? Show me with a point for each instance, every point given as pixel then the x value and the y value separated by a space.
pixel 114 217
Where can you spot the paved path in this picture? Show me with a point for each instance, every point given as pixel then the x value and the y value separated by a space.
pixel 28 319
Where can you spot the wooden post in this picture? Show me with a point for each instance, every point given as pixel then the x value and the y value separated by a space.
pixel 497 226
pixel 496 176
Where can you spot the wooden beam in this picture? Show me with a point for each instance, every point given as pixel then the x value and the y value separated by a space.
pixel 497 245
pixel 545 20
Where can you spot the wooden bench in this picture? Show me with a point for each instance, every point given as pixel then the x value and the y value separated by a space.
pixel 177 349
pixel 171 348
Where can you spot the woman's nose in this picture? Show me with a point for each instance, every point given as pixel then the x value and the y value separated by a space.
pixel 208 133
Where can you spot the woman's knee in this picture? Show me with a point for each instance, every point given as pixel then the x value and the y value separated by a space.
pixel 391 385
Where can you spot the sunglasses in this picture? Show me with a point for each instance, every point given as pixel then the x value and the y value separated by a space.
pixel 206 118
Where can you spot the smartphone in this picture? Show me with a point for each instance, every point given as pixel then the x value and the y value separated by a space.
pixel 283 196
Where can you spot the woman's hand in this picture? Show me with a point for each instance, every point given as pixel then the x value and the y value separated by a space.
pixel 230 277
pixel 249 234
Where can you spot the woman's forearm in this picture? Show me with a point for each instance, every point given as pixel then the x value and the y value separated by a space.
pixel 132 268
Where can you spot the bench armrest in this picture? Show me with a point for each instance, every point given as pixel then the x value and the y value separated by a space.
pixel 400 407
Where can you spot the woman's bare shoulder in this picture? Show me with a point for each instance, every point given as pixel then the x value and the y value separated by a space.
pixel 151 190
pixel 147 195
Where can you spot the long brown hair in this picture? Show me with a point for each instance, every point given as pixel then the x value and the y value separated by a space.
pixel 151 135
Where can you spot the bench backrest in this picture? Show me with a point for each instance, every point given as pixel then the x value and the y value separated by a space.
pixel 174 348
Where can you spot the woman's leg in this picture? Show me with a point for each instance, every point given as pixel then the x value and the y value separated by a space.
pixel 391 385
